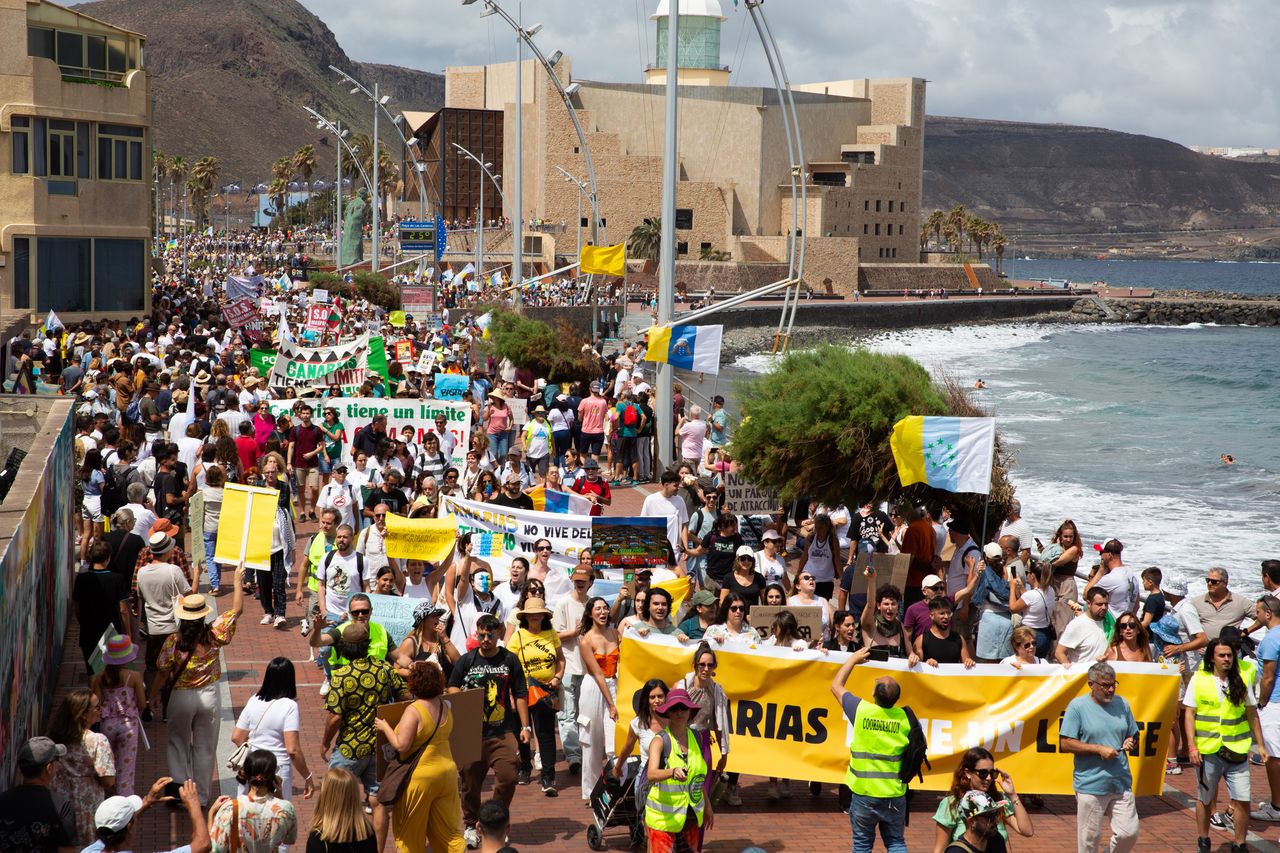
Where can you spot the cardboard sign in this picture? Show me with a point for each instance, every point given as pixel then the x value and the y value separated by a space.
pixel 888 568
pixel 808 617
pixel 744 497
pixel 320 295
pixel 245 526
pixel 318 318
pixel 467 710
pixel 451 386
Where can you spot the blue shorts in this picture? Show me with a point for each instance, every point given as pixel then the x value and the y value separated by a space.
pixel 326 467
pixel 365 769
pixel 1213 770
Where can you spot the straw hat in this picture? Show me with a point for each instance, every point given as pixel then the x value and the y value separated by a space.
pixel 497 393
pixel 533 605
pixel 192 607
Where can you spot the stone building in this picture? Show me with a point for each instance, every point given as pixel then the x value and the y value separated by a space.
pixel 863 151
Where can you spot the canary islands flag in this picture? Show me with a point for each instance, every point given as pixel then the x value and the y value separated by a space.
pixel 688 347
pixel 565 503
pixel 953 454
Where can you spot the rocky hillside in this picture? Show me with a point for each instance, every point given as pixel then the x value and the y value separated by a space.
pixel 231 79
pixel 1050 178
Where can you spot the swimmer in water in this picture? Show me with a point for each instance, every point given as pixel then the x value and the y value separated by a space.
pixel 1228 459
pixel 979 384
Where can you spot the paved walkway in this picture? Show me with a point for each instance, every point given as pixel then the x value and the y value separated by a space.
pixel 803 824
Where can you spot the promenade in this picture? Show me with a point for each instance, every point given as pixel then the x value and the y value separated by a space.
pixel 802 824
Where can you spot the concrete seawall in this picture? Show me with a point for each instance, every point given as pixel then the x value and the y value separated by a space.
pixel 896 315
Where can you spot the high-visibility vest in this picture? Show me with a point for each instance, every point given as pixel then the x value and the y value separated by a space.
pixel 669 801
pixel 1219 722
pixel 315 553
pixel 1248 671
pixel 880 737
pixel 378 641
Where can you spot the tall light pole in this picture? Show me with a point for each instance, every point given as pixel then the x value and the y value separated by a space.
pixel 582 187
pixel 667 266
pixel 517 244
pixel 484 173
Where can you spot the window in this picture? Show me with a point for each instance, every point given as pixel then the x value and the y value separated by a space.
pixel 684 218
pixel 899 230
pixel 704 247
pixel 40 42
pixel 62 149
pixel 877 205
pixel 891 205
pixel 22 272
pixel 119 152
pixel 62 266
pixel 71 50
pixel 97 57
pixel 682 247
pixel 865 228
pixel 21 132
pixel 119 275
pixel 866 204
pixel 877 229
pixel 584 222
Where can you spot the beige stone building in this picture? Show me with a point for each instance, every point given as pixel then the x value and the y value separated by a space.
pixel 75 165
pixel 863 147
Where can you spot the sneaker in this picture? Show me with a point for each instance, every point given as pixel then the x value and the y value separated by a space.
pixel 1172 768
pixel 266 620
pixel 731 796
pixel 786 789
pixel 304 627
pixel 1203 845
pixel 523 776
pixel 537 761
pixel 1223 821
pixel 1239 848
pixel 472 837
pixel 324 689
pixel 279 622
pixel 549 788
pixel 1265 811
pixel 575 768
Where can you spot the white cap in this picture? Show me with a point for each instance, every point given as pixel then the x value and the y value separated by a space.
pixel 930 581
pixel 116 812
pixel 992 550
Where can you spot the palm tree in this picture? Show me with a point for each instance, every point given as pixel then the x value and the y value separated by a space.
pixel 179 169
pixel 925 232
pixel 934 223
pixel 278 192
pixel 160 164
pixel 204 177
pixel 645 241
pixel 955 221
pixel 998 243
pixel 304 165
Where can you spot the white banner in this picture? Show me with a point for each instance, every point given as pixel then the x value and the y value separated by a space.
pixel 520 528
pixel 304 367
pixel 357 412
pixel 241 287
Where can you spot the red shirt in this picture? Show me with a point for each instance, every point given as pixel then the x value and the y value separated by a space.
pixel 599 487
pixel 248 450
pixel 305 440
pixel 919 541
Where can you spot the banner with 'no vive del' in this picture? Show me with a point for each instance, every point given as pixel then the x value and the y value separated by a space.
pixel 785 722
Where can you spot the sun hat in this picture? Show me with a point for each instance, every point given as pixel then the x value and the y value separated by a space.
pixel 160 543
pixel 533 605
pixel 975 803
pixel 678 698
pixel 120 650
pixel 746 551
pixel 497 393
pixel 163 525
pixel 425 610
pixel 115 813
pixel 39 751
pixel 191 607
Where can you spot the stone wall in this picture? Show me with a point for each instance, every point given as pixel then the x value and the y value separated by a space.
pixel 895 315
pixel 1159 312
pixel 894 278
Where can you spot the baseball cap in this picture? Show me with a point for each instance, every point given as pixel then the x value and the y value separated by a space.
pixel 746 551
pixel 115 813
pixel 992 550
pixel 702 597
pixel 1111 546
pixel 930 581
pixel 590 463
pixel 581 573
pixel 770 534
pixel 39 751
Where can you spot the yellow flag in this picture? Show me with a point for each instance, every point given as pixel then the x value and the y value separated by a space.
pixel 429 539
pixel 397 319
pixel 604 260
pixel 245 526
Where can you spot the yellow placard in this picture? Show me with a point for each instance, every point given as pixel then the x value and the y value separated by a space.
pixel 787 724
pixel 245 526
pixel 429 539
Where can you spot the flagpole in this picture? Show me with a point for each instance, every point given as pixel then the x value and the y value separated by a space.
pixel 667 270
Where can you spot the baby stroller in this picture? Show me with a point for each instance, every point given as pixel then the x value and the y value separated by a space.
pixel 613 803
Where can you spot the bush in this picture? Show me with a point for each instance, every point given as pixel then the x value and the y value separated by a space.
pixel 377 290
pixel 818 425
pixel 553 353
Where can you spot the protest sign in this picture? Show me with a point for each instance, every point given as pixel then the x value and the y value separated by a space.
pixel 404 351
pixel 262 361
pixel 630 543
pixel 519 529
pixel 240 313
pixel 429 539
pixel 487 545
pixel 416 301
pixel 808 618
pixel 395 613
pixel 245 526
pixel 305 367
pixel 318 318
pixel 744 497
pixel 319 294
pixel 357 412
pixel 449 386
pixel 787 723
pixel 243 287
pixel 467 710
pixel 888 568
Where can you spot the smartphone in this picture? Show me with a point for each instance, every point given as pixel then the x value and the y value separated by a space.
pixel 172 790
pixel 629 576
pixel 879 655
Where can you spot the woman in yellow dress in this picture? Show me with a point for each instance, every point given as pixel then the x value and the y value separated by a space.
pixel 429 807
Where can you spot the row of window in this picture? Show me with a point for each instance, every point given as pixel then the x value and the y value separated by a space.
pixel 888 229
pixel 96 57
pixel 79 274
pixel 902 205
pixel 57 148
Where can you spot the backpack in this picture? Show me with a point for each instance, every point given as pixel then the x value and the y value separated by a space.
pixel 328 561
pixel 914 757
pixel 133 412
pixel 629 416
pixel 114 489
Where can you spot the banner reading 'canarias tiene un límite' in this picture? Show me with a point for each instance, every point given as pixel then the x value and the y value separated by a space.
pixel 787 724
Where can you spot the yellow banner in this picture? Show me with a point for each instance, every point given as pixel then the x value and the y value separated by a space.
pixel 604 260
pixel 679 589
pixel 429 539
pixel 787 724
pixel 245 526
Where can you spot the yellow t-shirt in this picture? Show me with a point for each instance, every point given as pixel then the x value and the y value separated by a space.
pixel 536 653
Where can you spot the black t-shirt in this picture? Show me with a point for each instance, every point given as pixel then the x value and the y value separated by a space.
pixel 946 649
pixel 166 483
pixel 521 501
pixel 315 845
pixel 125 548
pixel 869 527
pixel 33 818
pixel 721 552
pixel 750 593
pixel 995 844
pixel 1155 605
pixel 395 499
pixel 97 595
pixel 503 681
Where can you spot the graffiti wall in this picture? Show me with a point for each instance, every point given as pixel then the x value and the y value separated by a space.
pixel 36 573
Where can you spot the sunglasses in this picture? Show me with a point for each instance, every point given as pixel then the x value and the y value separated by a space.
pixel 939 587
pixel 543 548
pixel 1030 644
pixel 984 774
pixel 1128 626
pixel 1213 581
pixel 485 635
pixel 806 577
pixel 360 614
pixel 737 608
pixel 379 515
pixel 745 559
pixel 706 666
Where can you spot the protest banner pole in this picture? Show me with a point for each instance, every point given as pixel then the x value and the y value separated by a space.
pixel 244 532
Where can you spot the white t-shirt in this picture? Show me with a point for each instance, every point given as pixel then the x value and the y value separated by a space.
pixel 1189 695
pixel 567 616
pixel 189 451
pixel 372 542
pixel 143 518
pixel 773 568
pixel 417 590
pixel 1084 639
pixel 267 722
pixel 1039 607
pixel 673 509
pixel 841 519
pixel 1122 584
pixel 341 577
pixel 344 497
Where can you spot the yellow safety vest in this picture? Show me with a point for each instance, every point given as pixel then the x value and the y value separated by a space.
pixel 880 737
pixel 378 644
pixel 315 553
pixel 670 800
pixel 1219 722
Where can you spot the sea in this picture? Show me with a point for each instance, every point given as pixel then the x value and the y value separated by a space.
pixel 1121 427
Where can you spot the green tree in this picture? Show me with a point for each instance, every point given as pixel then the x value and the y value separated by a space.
pixel 645 242
pixel 999 242
pixel 179 169
pixel 204 176
pixel 818 425
pixel 556 353
pixel 955 222
pixel 377 290
pixel 935 223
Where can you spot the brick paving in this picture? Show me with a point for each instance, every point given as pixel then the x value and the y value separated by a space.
pixel 802 824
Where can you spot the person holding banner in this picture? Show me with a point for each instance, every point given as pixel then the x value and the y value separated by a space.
pixel 598 649
pixel 537 645
pixel 677 808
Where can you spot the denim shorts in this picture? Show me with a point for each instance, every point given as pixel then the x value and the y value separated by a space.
pixel 326 467
pixel 1211 773
pixel 365 769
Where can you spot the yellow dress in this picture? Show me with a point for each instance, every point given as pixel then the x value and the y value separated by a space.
pixel 429 811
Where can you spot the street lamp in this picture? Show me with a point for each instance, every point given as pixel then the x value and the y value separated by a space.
pixel 484 169
pixel 582 188
pixel 337 130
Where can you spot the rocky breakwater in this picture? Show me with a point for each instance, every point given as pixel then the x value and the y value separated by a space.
pixel 1180 311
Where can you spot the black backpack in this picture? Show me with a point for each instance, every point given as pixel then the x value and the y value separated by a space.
pixel 914 757
pixel 114 488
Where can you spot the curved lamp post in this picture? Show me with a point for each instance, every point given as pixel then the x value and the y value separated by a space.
pixel 336 129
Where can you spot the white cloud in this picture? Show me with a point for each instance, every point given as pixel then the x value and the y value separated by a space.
pixel 1193 72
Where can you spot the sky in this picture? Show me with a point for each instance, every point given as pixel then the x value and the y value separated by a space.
pixel 1198 73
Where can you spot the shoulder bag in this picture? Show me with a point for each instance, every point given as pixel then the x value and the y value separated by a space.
pixel 235 763
pixel 399 771
pixel 172 682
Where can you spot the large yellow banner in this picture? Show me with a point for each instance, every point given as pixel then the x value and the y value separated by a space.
pixel 787 724
pixel 245 526
pixel 430 539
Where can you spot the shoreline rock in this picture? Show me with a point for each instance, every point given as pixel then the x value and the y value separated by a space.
pixel 1182 311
